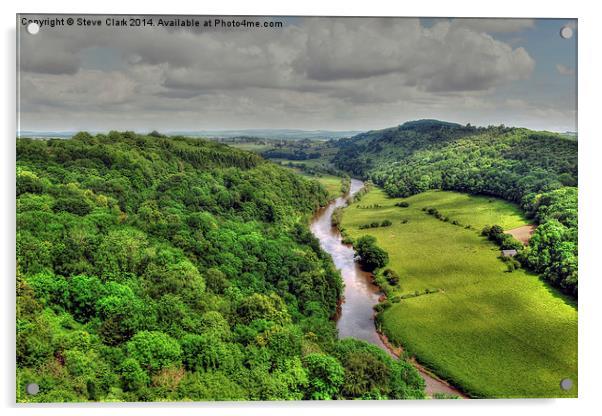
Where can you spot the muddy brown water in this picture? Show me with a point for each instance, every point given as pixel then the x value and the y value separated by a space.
pixel 356 316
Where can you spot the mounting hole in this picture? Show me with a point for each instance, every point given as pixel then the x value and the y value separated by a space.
pixel 32 388
pixel 566 384
pixel 566 32
pixel 33 28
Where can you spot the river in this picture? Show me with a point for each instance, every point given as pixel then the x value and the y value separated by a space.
pixel 356 317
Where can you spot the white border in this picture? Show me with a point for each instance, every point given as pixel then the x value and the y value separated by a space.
pixel 590 137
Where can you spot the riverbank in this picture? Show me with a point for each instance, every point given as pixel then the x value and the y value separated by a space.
pixel 356 316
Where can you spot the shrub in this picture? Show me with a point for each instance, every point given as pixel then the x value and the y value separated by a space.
pixel 337 216
pixel 391 276
pixel 371 256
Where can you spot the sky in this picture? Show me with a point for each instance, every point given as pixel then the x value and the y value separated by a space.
pixel 312 73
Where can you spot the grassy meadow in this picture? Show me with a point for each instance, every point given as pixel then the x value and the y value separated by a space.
pixel 330 182
pixel 488 331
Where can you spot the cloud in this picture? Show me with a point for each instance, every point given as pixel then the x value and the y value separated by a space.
pixel 86 89
pixel 495 25
pixel 564 70
pixel 47 55
pixel 314 72
pixel 445 57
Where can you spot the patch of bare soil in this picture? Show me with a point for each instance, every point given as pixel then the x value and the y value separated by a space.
pixel 522 234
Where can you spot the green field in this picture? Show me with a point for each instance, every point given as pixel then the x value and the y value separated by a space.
pixel 490 332
pixel 331 183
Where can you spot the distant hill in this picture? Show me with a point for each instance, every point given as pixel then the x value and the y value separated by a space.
pixel 286 134
pixel 289 134
pixel 46 134
pixel 428 123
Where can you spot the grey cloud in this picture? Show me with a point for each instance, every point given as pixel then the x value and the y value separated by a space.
pixel 495 25
pixel 47 54
pixel 445 57
pixel 50 62
pixel 322 71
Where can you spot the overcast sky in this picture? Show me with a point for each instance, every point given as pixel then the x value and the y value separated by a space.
pixel 313 73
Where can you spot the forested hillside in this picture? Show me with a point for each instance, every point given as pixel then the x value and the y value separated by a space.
pixel 537 170
pixel 155 268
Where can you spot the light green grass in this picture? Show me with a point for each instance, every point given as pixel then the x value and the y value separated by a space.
pixel 331 183
pixel 492 333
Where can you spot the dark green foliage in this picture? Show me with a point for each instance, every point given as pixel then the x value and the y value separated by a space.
pixel 155 133
pixel 391 276
pixel 326 375
pixel 290 155
pixel 496 234
pixel 337 216
pixel 152 268
pixel 552 252
pixel 258 306
pixel 537 170
pixel 370 255
pixel 372 373
pixel 435 213
pixel 154 350
pixel 376 224
pixel 134 378
pixel 345 185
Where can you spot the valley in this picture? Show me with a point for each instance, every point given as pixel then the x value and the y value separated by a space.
pixel 481 321
pixel 120 232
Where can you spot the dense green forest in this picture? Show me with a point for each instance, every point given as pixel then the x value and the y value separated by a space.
pixel 537 170
pixel 156 268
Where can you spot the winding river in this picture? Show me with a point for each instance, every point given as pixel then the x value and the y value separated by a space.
pixel 356 318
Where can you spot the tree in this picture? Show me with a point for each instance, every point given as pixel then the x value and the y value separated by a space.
pixel 258 306
pixel 133 376
pixel 370 255
pixel 182 278
pixel 364 374
pixel 326 375
pixel 29 182
pixel 122 313
pixel 155 133
pixel 154 350
pixel 84 292
pixel 117 237
pixel 216 280
pixel 121 252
